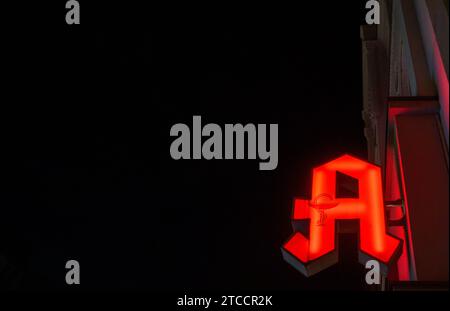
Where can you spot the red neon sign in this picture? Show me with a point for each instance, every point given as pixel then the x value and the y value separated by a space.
pixel 313 249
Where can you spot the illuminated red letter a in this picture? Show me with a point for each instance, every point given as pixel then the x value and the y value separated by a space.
pixel 326 215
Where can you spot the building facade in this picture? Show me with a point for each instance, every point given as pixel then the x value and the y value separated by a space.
pixel 406 113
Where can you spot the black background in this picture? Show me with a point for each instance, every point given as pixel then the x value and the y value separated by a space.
pixel 86 171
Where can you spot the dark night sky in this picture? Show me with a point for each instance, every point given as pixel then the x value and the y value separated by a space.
pixel 86 172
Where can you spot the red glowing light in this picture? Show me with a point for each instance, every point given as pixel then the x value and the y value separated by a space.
pixel 324 211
